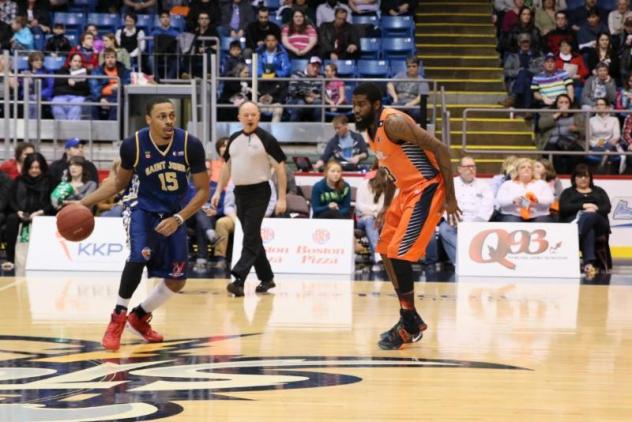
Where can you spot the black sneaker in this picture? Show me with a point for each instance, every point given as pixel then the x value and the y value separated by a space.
pixel 397 336
pixel 236 288
pixel 264 286
pixel 416 321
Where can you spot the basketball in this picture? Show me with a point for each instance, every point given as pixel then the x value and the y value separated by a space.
pixel 75 222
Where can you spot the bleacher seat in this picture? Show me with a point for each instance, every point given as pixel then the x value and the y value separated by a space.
pixel 144 22
pixel 272 4
pixel 346 68
pixel 398 47
pixel 70 20
pixel 82 6
pixel 54 63
pixel 574 4
pixel 365 20
pixel 397 26
pixel 369 48
pixel 72 36
pixel 224 43
pixel 397 66
pixel 22 63
pixel 299 65
pixel 607 4
pixel 39 40
pixel 276 19
pixel 373 68
pixel 105 21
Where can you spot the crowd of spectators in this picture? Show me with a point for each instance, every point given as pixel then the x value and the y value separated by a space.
pixel 165 40
pixel 576 49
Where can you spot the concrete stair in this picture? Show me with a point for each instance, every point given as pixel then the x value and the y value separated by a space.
pixel 457 43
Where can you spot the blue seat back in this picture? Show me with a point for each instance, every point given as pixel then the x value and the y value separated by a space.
pixel 365 20
pixel 299 65
pixel 369 48
pixel 346 68
pixel 54 63
pixel 398 47
pixel 373 68
pixel 397 26
pixel 68 19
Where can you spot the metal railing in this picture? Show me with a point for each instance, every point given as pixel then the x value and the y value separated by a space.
pixel 11 118
pixel 585 151
pixel 179 56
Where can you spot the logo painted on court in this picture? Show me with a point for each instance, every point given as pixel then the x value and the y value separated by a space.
pixel 63 379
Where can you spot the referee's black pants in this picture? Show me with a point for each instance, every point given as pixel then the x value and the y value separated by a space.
pixel 252 202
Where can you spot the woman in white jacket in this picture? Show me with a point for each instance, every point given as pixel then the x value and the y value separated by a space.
pixel 524 198
pixel 369 202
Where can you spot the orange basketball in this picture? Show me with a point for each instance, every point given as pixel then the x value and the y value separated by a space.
pixel 75 222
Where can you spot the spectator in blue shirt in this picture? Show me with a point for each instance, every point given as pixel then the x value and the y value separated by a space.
pixel 105 90
pixel 22 37
pixel 273 59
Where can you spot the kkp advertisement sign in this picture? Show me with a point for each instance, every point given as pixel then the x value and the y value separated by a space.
pixel 308 246
pixel 518 250
pixel 104 250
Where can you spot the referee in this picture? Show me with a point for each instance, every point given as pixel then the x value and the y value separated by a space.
pixel 249 155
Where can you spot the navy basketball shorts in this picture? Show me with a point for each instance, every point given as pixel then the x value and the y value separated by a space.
pixel 165 257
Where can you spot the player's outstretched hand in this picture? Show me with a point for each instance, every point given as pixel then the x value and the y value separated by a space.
pixel 167 227
pixel 280 207
pixel 454 212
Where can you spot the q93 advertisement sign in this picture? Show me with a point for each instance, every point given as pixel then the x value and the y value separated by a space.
pixel 104 250
pixel 518 250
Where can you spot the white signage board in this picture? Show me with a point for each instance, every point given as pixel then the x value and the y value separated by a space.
pixel 617 188
pixel 105 249
pixel 307 246
pixel 518 250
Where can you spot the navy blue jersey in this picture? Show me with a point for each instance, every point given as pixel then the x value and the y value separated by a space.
pixel 160 180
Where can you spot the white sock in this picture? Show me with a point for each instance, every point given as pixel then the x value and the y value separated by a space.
pixel 122 302
pixel 157 297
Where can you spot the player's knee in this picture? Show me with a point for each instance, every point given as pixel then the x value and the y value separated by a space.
pixel 175 285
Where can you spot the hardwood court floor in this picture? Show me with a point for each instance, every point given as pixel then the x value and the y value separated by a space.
pixel 504 350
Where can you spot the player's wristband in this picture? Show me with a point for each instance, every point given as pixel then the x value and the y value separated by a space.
pixel 179 219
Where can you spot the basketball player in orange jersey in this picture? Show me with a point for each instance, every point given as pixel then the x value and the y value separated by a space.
pixel 419 166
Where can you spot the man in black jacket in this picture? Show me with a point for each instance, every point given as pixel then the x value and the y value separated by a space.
pixel 256 32
pixel 58 170
pixel 339 39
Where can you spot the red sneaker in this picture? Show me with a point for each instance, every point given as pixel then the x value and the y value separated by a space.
pixel 141 327
pixel 112 337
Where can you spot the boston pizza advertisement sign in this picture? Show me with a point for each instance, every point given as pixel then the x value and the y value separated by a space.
pixel 518 250
pixel 304 245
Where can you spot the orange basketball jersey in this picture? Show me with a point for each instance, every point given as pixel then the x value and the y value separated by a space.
pixel 409 166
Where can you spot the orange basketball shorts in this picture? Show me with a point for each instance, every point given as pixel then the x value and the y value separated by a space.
pixel 410 222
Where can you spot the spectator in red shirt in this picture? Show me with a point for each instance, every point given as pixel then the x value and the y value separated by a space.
pixel 13 166
pixel 572 63
pixel 89 57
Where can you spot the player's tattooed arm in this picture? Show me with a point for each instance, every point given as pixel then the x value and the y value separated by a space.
pixel 399 128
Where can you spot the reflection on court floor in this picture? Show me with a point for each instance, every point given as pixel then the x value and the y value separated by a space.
pixel 495 350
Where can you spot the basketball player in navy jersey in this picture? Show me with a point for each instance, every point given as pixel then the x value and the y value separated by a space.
pixel 155 165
